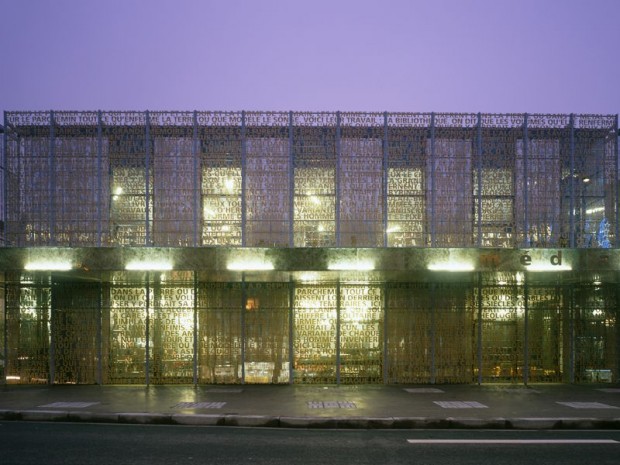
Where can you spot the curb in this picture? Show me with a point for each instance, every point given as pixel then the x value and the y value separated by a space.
pixel 267 421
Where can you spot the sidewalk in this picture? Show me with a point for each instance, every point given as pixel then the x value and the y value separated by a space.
pixel 366 406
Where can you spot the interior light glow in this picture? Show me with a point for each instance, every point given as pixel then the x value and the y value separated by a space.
pixel 309 276
pixel 548 267
pixel 315 200
pixel 393 228
pixel 586 179
pixel 250 265
pixel 451 266
pixel 229 184
pixel 48 265
pixel 321 228
pixel 352 265
pixel 589 211
pixel 118 190
pixel 148 265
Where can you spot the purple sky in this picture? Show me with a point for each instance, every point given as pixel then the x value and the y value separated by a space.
pixel 548 56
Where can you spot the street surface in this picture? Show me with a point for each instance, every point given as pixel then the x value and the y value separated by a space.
pixel 74 443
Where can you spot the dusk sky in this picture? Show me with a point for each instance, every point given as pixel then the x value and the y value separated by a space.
pixel 535 56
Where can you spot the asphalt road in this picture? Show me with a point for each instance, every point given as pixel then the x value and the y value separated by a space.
pixel 73 443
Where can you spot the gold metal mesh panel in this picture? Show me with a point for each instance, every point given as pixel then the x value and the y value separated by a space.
pixel 220 332
pixel 315 310
pixel 28 331
pixel 127 334
pixel 75 329
pixel 266 333
pixel 361 334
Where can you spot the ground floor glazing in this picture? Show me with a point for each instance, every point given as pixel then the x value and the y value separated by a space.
pixel 165 327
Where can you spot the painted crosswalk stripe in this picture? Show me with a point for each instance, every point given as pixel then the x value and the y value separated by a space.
pixel 586 405
pixel 200 405
pixel 424 391
pixel 459 404
pixel 512 441
pixel 69 404
pixel 332 404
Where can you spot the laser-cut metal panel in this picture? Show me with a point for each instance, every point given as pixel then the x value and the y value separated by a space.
pixel 360 178
pixel 220 142
pixel 220 333
pixel 172 333
pixel 595 319
pixel 453 340
pixel 28 330
pixel 545 331
pixel 407 182
pixel 450 176
pixel 315 167
pixel 28 162
pixel 266 333
pixel 409 327
pixel 502 332
pixel 361 334
pixel 75 314
pixel 127 333
pixel 315 310
pixel 267 179
pixel 494 182
pixel 174 181
pixel 131 202
pixel 593 181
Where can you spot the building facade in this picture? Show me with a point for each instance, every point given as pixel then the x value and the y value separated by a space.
pixel 297 247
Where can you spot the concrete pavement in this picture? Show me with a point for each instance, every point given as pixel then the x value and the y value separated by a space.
pixel 544 406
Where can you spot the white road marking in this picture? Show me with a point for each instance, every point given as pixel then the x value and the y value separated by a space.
pixel 459 404
pixel 200 405
pixel 512 441
pixel 424 391
pixel 596 405
pixel 69 404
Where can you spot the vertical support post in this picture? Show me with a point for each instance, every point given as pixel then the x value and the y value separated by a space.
pixel 99 194
pixel 291 329
pixel 338 303
pixel 385 171
pixel 52 181
pixel 53 331
pixel 243 182
pixel 571 335
pixel 526 216
pixel 571 201
pixel 386 359
pixel 147 126
pixel 479 186
pixel 5 331
pixel 147 331
pixel 195 341
pixel 432 183
pixel 338 168
pixel 526 332
pixel 616 181
pixel 98 337
pixel 197 177
pixel 432 335
pixel 479 328
pixel 244 299
pixel 291 183
pixel 5 181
